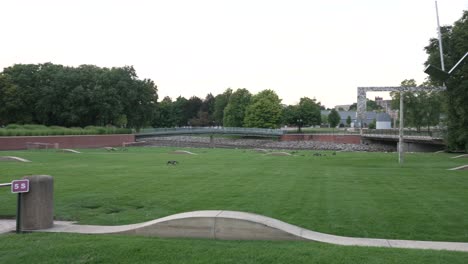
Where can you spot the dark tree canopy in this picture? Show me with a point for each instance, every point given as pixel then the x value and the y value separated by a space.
pixel 309 111
pixel 334 118
pixel 221 101
pixel 165 114
pixel 180 111
pixel 52 94
pixel 305 113
pixel 290 115
pixel 205 114
pixel 234 112
pixel 264 111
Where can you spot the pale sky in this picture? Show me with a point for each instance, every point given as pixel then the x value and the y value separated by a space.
pixel 316 48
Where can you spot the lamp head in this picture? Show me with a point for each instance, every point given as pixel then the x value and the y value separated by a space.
pixel 436 73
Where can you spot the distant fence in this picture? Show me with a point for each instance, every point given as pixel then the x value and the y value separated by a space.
pixel 335 138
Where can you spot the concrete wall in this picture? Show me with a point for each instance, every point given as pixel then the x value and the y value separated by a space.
pixel 86 141
pixel 346 139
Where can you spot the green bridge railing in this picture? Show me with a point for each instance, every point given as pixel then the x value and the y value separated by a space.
pixel 210 130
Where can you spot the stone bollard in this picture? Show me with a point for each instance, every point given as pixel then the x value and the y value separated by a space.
pixel 37 206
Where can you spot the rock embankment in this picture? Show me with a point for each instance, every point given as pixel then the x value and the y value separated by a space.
pixel 204 142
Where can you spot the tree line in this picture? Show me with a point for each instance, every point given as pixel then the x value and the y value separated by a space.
pixel 238 108
pixel 52 94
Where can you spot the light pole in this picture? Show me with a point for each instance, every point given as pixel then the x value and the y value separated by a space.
pixel 400 135
pixel 442 75
pixel 299 124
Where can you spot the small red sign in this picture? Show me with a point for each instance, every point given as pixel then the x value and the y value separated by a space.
pixel 20 186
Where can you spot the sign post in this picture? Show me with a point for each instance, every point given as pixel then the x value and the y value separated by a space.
pixel 19 187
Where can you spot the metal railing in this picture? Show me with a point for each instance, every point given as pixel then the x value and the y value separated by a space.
pixel 211 130
pixel 436 133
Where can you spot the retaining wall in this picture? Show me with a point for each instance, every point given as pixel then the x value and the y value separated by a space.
pixel 343 139
pixel 71 141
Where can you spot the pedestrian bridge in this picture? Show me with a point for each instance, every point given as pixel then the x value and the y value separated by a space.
pixel 241 131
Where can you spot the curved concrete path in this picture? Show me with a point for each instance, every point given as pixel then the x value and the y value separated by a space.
pixel 242 226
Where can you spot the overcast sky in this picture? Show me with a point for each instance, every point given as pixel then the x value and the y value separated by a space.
pixel 315 48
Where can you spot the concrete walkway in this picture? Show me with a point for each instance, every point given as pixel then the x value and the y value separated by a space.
pixel 7 226
pixel 231 225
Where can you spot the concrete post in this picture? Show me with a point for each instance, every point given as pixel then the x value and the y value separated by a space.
pixel 37 206
pixel 212 144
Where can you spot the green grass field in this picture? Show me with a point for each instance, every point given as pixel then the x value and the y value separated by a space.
pixel 72 248
pixel 350 194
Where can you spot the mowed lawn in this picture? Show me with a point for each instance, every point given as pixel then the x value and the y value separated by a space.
pixel 350 194
pixel 73 248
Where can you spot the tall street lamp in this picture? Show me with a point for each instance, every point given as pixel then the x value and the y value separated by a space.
pixel 299 124
pixel 442 75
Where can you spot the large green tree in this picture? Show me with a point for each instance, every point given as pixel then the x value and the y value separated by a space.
pixel 221 101
pixel 309 112
pixel 165 114
pixel 180 115
pixel 193 106
pixel 234 112
pixel 305 113
pixel 290 115
pixel 334 118
pixel 205 114
pixel 455 44
pixel 264 111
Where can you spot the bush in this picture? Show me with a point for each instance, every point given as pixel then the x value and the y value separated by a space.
pixel 34 127
pixel 41 130
pixel 57 127
pixel 14 126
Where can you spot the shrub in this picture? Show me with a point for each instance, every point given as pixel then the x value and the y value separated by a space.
pixel 34 127
pixel 41 130
pixel 14 126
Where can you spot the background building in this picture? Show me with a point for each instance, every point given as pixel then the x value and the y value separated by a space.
pixel 382 120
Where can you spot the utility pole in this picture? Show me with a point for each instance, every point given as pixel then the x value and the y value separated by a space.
pixel 400 137
pixel 440 39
